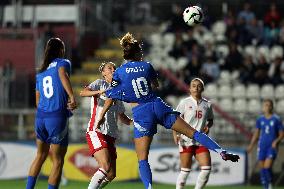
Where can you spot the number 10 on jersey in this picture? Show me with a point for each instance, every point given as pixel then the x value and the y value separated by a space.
pixel 137 86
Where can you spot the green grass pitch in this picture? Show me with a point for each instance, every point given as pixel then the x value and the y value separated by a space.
pixel 42 184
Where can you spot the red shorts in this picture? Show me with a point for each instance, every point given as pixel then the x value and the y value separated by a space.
pixel 193 149
pixel 98 141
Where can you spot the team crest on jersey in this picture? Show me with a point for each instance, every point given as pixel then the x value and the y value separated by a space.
pixel 271 123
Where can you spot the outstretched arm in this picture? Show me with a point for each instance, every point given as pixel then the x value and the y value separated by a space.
pixel 87 92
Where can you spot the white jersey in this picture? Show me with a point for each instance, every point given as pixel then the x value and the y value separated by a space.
pixel 196 115
pixel 109 127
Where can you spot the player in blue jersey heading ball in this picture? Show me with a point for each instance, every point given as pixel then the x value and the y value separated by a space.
pixel 269 132
pixel 54 100
pixel 133 82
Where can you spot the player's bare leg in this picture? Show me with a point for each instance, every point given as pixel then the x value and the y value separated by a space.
pixel 142 147
pixel 204 161
pixel 182 127
pixel 100 177
pixel 185 168
pixel 57 154
pixel 110 175
pixel 42 153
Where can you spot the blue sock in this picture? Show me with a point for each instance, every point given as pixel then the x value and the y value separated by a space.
pixel 206 141
pixel 50 186
pixel 31 182
pixel 145 173
pixel 268 174
pixel 263 178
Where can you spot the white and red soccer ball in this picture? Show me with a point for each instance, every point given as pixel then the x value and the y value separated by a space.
pixel 193 15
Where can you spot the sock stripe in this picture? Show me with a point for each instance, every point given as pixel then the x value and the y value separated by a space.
pixel 185 170
pixel 205 168
pixel 103 171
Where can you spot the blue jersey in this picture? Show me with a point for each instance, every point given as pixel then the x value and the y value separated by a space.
pixel 269 128
pixel 53 97
pixel 132 82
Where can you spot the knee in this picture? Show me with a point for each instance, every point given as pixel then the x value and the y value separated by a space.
pixel 42 156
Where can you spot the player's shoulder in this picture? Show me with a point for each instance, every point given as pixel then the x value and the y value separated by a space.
pixel 98 82
pixel 206 100
pixel 277 117
pixel 186 99
pixel 260 117
pixel 61 61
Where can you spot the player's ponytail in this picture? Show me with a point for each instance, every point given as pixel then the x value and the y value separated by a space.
pixel 131 47
pixel 55 48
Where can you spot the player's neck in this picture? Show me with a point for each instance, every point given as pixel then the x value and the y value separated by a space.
pixel 197 98
pixel 268 115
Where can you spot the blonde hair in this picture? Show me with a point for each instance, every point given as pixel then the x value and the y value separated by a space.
pixel 103 64
pixel 131 47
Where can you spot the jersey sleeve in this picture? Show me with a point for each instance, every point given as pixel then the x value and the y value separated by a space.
pixel 66 64
pixel 116 78
pixel 210 112
pixel 181 107
pixel 152 73
pixel 94 86
pixel 37 85
pixel 280 125
pixel 257 125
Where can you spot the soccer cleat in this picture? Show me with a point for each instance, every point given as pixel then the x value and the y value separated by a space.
pixel 229 156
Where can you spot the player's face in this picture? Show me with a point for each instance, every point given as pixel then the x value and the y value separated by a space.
pixel 267 107
pixel 196 88
pixel 107 72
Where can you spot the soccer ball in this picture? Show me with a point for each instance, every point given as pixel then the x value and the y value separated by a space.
pixel 193 15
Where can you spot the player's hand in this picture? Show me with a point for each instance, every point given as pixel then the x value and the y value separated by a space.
pixel 274 144
pixel 206 130
pixel 101 120
pixel 249 149
pixel 176 139
pixel 229 156
pixel 71 105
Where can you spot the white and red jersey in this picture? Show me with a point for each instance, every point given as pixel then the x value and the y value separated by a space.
pixel 109 127
pixel 196 115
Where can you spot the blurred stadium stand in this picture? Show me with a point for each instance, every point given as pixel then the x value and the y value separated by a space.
pixel 251 66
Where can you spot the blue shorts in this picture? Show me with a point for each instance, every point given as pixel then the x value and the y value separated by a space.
pixel 146 116
pixel 52 130
pixel 266 153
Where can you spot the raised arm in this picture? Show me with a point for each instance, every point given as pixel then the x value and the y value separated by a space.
pixel 64 78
